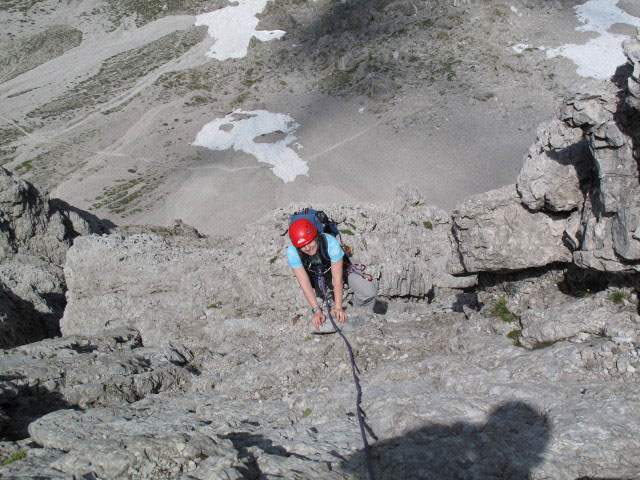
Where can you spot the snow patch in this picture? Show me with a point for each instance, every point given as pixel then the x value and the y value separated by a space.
pixel 520 47
pixel 233 27
pixel 238 131
pixel 600 56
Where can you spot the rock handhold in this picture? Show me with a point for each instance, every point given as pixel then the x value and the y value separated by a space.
pixel 495 232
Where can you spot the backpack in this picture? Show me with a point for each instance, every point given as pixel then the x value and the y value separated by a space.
pixel 319 219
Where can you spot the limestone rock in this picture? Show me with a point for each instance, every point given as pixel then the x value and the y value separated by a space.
pixel 31 300
pixel 77 371
pixel 626 228
pixel 495 233
pixel 596 112
pixel 34 238
pixel 406 247
pixel 631 49
pixel 597 248
pixel 267 401
pixel 554 168
pixel 585 318
pixel 27 224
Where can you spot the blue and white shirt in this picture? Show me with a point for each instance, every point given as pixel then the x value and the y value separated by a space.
pixel 333 249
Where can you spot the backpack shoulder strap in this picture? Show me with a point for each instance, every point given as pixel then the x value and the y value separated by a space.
pixel 323 247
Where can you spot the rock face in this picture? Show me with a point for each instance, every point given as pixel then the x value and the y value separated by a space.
pixel 495 232
pixel 34 239
pixel 28 225
pixel 112 368
pixel 264 401
pixel 181 288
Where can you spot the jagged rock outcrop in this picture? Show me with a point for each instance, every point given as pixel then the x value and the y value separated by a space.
pixel 631 49
pixel 110 368
pixel 33 244
pixel 27 223
pixel 554 169
pixel 579 190
pixel 35 234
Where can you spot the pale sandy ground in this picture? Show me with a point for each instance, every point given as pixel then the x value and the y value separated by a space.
pixel 449 145
pixel 355 158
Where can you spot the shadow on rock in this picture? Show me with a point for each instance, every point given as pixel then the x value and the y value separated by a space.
pixel 508 446
pixel 243 441
pixel 94 224
pixel 22 403
pixel 22 323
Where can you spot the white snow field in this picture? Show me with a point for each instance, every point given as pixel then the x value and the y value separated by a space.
pixel 600 56
pixel 240 129
pixel 233 27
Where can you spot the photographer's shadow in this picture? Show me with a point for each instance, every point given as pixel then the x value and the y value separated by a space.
pixel 508 446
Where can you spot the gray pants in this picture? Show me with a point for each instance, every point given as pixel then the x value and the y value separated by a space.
pixel 364 291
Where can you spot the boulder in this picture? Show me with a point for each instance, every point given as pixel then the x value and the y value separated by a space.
pixel 495 232
pixel 554 169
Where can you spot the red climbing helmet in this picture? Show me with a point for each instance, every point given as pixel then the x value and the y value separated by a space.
pixel 301 232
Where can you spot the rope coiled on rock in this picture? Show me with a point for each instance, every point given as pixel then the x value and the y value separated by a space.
pixel 354 369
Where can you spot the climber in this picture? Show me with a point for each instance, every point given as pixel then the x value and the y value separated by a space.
pixel 308 251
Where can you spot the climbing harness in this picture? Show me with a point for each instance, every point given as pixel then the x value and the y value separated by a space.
pixel 354 370
pixel 359 269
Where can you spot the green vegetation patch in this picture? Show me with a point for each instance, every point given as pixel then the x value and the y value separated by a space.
pixel 126 196
pixel 25 166
pixel 501 311
pixel 541 345
pixel 19 455
pixel 27 53
pixel 9 134
pixel 145 11
pixel 186 81
pixel 618 297
pixel 337 81
pixel 485 97
pixel 306 412
pixel 13 6
pixel 428 225
pixel 120 73
pixel 346 231
pixel 515 336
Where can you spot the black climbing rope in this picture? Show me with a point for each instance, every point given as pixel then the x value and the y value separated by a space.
pixel 354 370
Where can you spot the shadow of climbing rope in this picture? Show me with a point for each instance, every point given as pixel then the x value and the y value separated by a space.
pixel 508 446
